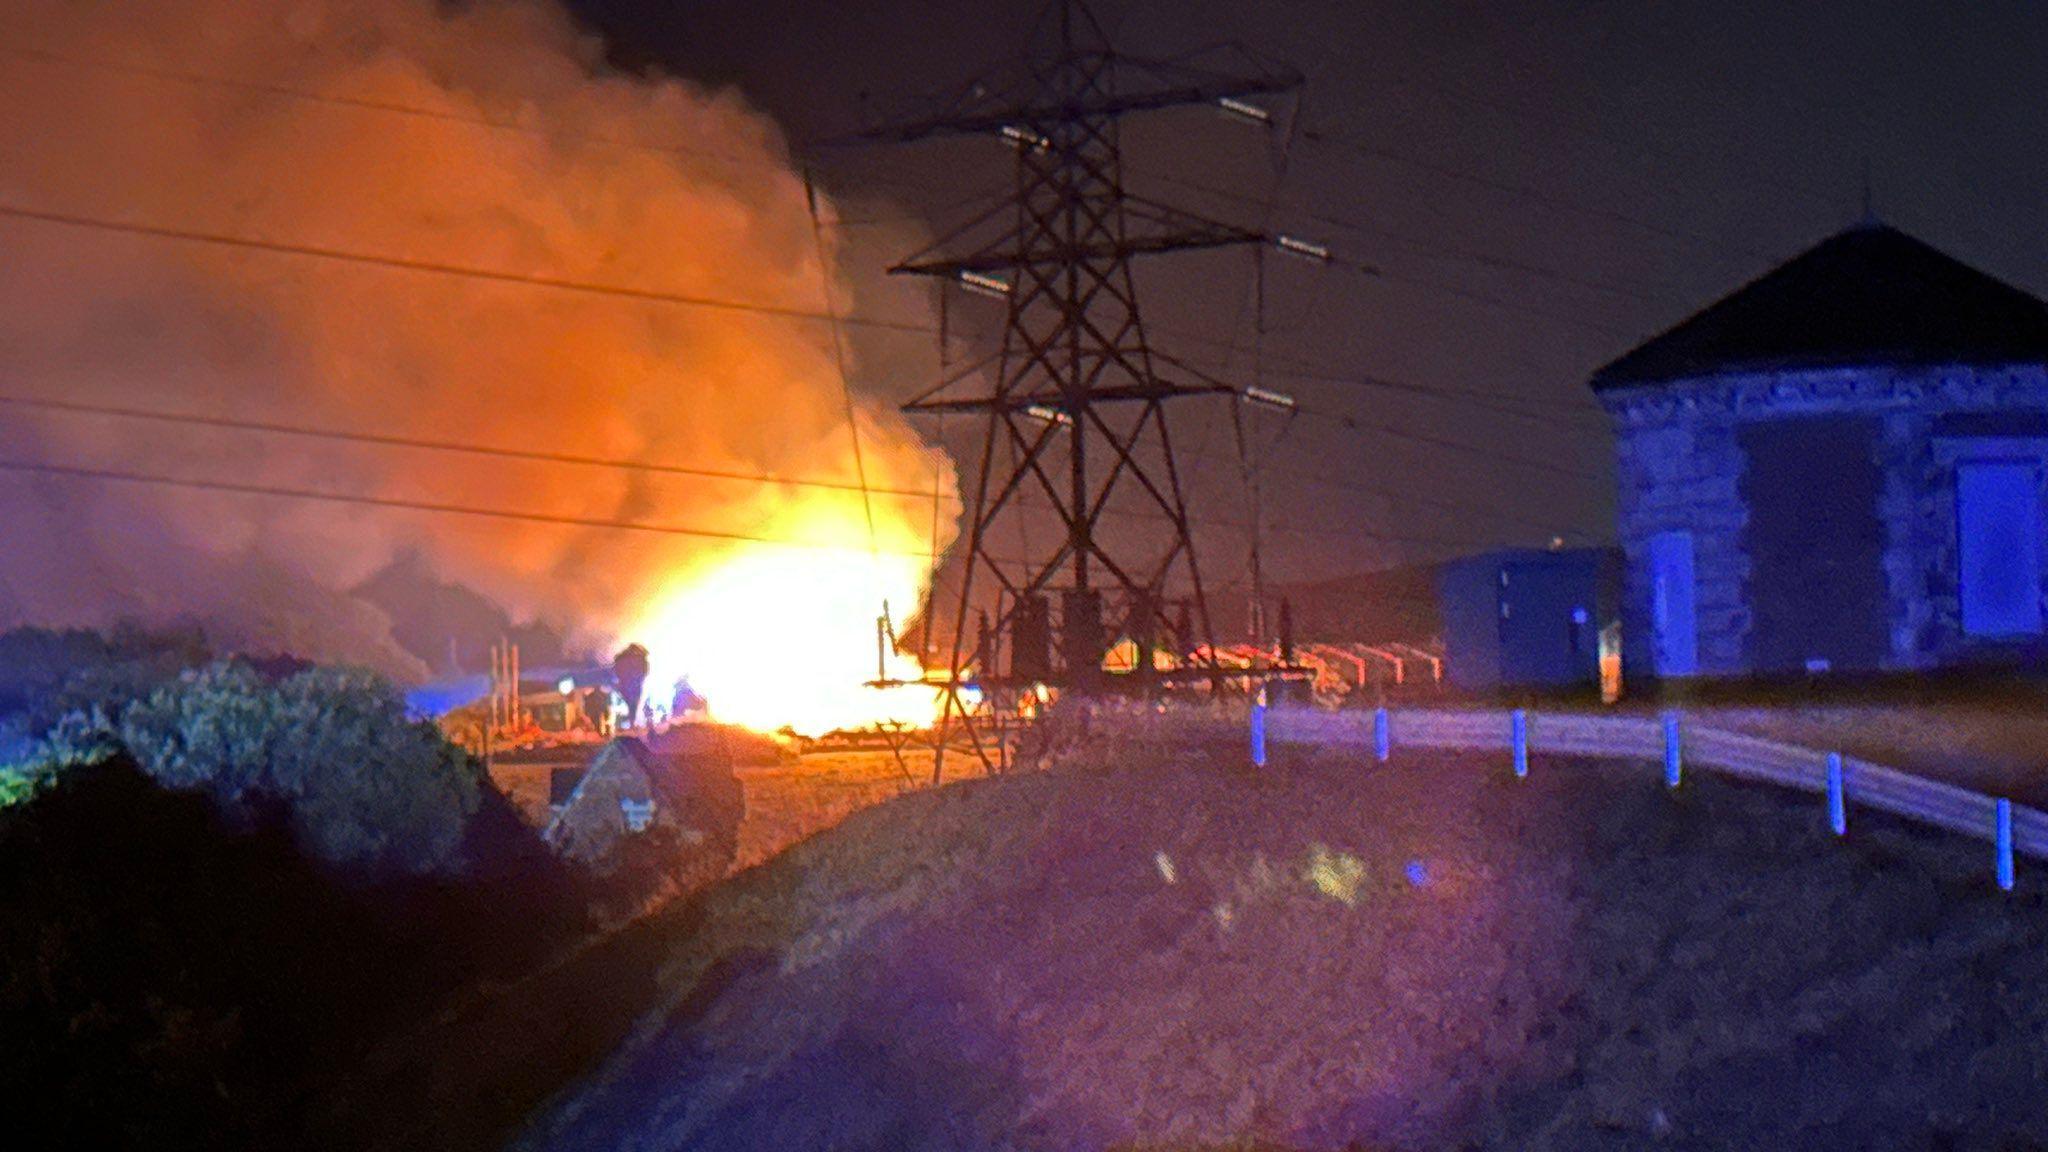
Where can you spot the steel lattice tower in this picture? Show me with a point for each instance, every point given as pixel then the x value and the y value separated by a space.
pixel 1077 414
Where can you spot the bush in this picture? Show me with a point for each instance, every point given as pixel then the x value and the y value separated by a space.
pixel 172 977
pixel 47 675
pixel 177 969
pixel 18 782
pixel 364 785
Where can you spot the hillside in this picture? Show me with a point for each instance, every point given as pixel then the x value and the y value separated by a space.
pixel 1157 949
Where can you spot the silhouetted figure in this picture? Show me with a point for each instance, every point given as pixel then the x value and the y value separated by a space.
pixel 629 668
pixel 596 704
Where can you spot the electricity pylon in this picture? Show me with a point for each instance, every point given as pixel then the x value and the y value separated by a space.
pixel 1076 417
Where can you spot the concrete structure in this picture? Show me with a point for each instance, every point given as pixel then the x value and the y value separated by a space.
pixel 1525 618
pixel 1837 469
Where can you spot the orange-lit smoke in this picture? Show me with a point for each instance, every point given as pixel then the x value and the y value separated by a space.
pixel 592 176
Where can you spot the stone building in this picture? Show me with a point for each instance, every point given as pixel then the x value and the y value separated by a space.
pixel 656 807
pixel 1837 469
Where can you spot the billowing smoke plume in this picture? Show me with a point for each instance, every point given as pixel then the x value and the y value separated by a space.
pixel 591 176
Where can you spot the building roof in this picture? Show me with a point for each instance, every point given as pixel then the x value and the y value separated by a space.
pixel 1870 295
pixel 624 762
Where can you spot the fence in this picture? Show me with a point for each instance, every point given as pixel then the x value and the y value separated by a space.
pixel 1676 745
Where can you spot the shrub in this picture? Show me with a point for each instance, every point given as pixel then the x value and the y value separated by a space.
pixel 18 782
pixel 174 976
pixel 49 676
pixel 363 784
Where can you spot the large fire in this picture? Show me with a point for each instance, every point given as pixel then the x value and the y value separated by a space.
pixel 776 637
pixel 492 141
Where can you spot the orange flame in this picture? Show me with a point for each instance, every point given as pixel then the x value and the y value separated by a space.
pixel 476 136
pixel 781 637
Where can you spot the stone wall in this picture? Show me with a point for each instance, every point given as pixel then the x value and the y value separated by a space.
pixel 1680 468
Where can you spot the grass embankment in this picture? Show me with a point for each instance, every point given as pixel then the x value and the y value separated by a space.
pixel 1986 733
pixel 521 1040
pixel 1157 949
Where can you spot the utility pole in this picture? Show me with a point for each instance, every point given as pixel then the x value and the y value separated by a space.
pixel 1075 418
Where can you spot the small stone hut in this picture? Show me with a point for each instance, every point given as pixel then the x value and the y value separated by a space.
pixel 1837 469
pixel 682 811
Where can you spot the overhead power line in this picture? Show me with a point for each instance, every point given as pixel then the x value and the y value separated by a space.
pixel 1280 529
pixel 1431 248
pixel 306 96
pixel 449 270
pixel 1623 147
pixel 1495 262
pixel 388 440
pixel 1296 368
pixel 1299 368
pixel 396 108
pixel 1338 484
pixel 860 465
pixel 149 479
pixel 1373 271
pixel 355 103
pixel 1303 368
pixel 624 291
pixel 436 268
pixel 120 476
pixel 383 440
pixel 1359 424
pixel 1323 254
pixel 1556 419
pixel 1533 195
pixel 488 275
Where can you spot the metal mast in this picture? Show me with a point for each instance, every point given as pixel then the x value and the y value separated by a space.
pixel 1075 422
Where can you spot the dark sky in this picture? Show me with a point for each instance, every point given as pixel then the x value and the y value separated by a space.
pixel 1541 185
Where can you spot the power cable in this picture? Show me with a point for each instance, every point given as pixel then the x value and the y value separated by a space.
pixel 1487 259
pixel 394 441
pixel 1360 424
pixel 111 475
pixel 397 108
pixel 1511 406
pixel 1456 175
pixel 860 465
pixel 436 268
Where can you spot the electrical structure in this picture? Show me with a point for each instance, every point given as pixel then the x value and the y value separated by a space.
pixel 1074 418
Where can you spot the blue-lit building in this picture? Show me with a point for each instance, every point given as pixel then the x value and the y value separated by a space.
pixel 1525 618
pixel 1839 468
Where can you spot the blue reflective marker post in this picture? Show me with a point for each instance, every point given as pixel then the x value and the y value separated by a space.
pixel 1259 728
pixel 2005 877
pixel 1518 730
pixel 1838 805
pixel 1382 739
pixel 1672 767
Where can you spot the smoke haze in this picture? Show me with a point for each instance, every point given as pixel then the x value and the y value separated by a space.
pixel 596 176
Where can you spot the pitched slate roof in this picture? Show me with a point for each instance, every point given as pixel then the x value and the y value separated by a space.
pixel 1870 295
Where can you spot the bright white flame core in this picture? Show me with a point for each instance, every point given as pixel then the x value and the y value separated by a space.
pixel 775 637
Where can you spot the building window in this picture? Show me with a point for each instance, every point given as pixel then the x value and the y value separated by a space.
pixel 1998 547
pixel 1674 625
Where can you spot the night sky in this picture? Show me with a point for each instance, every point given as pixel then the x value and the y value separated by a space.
pixel 1539 191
